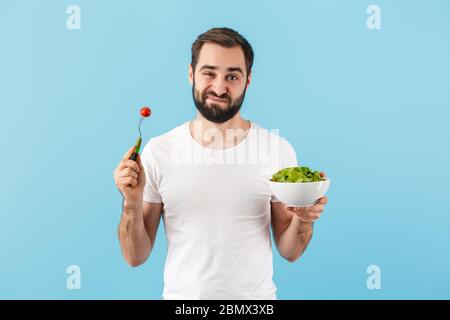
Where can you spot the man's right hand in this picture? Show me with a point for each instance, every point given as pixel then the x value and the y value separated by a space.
pixel 129 177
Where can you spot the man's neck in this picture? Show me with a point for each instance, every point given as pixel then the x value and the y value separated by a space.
pixel 219 135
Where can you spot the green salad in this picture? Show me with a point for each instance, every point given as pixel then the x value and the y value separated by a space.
pixel 297 174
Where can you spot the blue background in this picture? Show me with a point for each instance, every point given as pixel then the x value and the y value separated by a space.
pixel 368 107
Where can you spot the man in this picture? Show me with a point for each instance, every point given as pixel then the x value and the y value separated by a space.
pixel 208 179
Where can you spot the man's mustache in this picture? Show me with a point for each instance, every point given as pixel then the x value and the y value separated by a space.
pixel 213 94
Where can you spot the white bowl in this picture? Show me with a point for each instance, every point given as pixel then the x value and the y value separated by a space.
pixel 299 194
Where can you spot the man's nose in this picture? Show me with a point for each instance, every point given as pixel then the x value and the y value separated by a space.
pixel 219 86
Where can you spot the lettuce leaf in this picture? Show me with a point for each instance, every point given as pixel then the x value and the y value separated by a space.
pixel 297 174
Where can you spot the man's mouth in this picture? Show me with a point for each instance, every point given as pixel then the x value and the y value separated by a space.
pixel 217 99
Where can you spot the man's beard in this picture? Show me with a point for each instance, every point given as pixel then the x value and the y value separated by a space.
pixel 213 111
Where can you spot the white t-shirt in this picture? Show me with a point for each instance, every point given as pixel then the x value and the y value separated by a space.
pixel 216 212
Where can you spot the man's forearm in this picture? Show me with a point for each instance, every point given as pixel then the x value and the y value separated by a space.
pixel 134 239
pixel 294 240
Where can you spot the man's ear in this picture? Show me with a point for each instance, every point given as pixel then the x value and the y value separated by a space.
pixel 191 75
pixel 249 79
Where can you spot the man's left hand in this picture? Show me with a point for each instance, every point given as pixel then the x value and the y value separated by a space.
pixel 311 213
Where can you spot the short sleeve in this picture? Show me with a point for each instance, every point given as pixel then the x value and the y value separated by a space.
pixel 288 159
pixel 151 193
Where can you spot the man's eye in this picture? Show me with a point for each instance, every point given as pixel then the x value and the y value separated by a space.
pixel 208 74
pixel 233 78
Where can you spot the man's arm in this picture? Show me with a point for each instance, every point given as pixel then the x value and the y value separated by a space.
pixel 291 234
pixel 137 231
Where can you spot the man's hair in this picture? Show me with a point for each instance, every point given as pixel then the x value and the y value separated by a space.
pixel 224 37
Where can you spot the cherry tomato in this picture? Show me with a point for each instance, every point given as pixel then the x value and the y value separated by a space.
pixel 145 112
